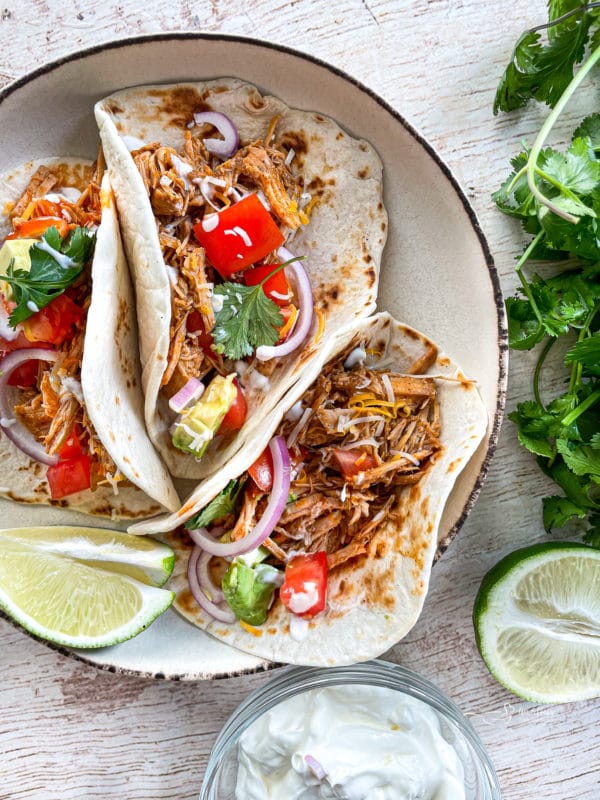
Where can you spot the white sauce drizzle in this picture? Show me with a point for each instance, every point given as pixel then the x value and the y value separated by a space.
pixel 357 356
pixel 210 222
pixel 63 260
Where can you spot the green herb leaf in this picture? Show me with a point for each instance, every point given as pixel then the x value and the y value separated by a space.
pixel 47 278
pixel 560 510
pixel 587 353
pixel 219 507
pixel 592 537
pixel 580 459
pixel 590 128
pixel 247 320
pixel 524 328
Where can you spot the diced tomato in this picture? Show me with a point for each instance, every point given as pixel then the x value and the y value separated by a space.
pixel 195 324
pixel 25 375
pixel 236 416
pixel 36 227
pixel 54 322
pixel 261 471
pixel 304 590
pixel 351 462
pixel 46 208
pixel 68 477
pixel 276 288
pixel 71 448
pixel 244 234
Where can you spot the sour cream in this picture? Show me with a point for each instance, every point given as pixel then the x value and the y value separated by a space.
pixel 366 742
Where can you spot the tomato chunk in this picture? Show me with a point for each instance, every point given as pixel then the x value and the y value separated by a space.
pixel 54 322
pixel 276 288
pixel 195 324
pixel 68 477
pixel 25 375
pixel 71 448
pixel 245 233
pixel 236 416
pixel 261 471
pixel 351 462
pixel 304 590
pixel 36 227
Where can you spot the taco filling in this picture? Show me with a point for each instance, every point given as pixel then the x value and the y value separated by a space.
pixel 44 298
pixel 223 214
pixel 317 495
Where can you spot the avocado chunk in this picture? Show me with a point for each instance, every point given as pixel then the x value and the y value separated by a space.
pixel 249 590
pixel 16 250
pixel 195 428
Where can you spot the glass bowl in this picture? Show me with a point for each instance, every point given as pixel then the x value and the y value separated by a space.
pixel 480 778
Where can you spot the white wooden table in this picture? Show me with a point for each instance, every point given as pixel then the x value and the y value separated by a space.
pixel 69 731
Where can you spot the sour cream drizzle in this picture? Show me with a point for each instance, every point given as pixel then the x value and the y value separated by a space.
pixel 369 742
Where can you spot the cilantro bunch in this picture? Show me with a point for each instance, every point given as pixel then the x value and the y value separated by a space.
pixel 556 197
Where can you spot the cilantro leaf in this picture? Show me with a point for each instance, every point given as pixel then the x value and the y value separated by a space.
pixel 541 71
pixel 49 275
pixel 524 328
pixel 247 320
pixel 592 537
pixel 581 460
pixel 560 510
pixel 590 128
pixel 220 506
pixel 576 170
pixel 587 353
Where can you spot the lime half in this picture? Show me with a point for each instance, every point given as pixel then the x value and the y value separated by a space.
pixel 537 622
pixel 72 603
pixel 141 558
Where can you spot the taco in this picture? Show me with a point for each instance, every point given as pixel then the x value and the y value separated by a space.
pixel 72 427
pixel 217 187
pixel 320 552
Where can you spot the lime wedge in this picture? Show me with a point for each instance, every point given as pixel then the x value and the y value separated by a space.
pixel 70 603
pixel 537 622
pixel 141 558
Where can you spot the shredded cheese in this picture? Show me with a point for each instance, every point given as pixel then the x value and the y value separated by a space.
pixel 321 324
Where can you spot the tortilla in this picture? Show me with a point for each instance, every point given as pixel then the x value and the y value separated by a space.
pixel 110 378
pixel 373 600
pixel 342 243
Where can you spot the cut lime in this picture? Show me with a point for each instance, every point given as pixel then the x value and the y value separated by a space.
pixel 141 558
pixel 537 622
pixel 71 603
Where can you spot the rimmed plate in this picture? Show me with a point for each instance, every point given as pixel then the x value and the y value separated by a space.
pixel 437 272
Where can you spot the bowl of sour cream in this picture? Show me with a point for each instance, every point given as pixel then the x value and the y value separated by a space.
pixel 373 731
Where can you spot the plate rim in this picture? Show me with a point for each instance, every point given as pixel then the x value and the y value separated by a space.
pixel 502 330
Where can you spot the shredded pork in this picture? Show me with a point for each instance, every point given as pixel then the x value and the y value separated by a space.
pixel 356 451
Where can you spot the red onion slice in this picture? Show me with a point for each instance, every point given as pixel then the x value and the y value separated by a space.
pixel 272 513
pixel 301 281
pixel 225 147
pixel 222 614
pixel 315 767
pixel 13 429
pixel 205 580
pixel 192 390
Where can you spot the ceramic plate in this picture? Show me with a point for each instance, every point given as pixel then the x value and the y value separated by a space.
pixel 437 272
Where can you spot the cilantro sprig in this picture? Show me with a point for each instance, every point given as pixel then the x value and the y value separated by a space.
pixel 220 506
pixel 556 197
pixel 248 318
pixel 55 265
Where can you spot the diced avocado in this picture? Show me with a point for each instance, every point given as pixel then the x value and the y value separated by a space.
pixel 195 428
pixel 17 249
pixel 249 590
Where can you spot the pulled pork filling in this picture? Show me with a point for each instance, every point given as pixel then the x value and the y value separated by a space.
pixel 54 407
pixel 362 436
pixel 183 188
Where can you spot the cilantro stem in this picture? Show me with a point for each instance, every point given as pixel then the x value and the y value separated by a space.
pixel 558 20
pixel 538 368
pixel 545 131
pixel 576 412
pixel 279 267
pixel 524 282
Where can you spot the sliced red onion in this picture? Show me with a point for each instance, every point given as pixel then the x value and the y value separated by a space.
pixel 216 611
pixel 11 427
pixel 193 390
pixel 225 147
pixel 315 767
pixel 301 281
pixel 272 513
pixel 206 582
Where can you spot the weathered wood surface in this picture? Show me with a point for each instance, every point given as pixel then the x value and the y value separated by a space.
pixel 69 731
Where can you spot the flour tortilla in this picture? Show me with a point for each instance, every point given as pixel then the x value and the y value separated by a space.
pixel 110 378
pixel 342 244
pixel 373 601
